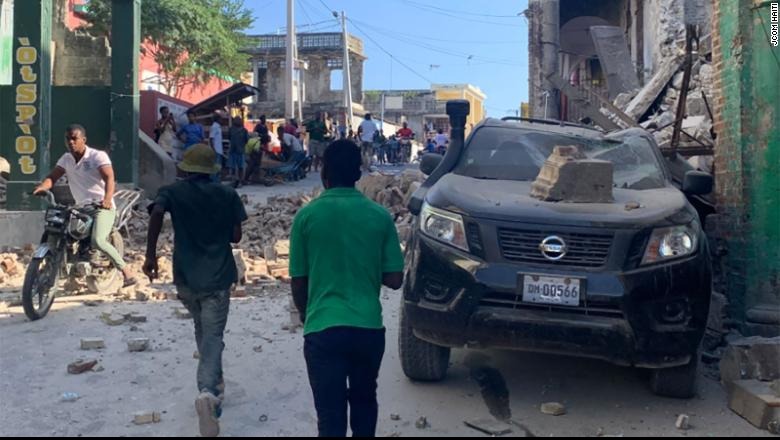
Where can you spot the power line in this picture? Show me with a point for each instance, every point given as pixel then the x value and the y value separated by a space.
pixel 388 53
pixel 303 9
pixel 455 11
pixel 447 13
pixel 445 51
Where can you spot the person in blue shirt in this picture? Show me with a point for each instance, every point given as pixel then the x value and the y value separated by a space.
pixel 191 133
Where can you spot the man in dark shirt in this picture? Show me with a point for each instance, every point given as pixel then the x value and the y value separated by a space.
pixel 206 218
pixel 343 248
pixel 318 136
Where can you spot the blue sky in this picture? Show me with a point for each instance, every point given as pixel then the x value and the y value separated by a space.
pixel 483 42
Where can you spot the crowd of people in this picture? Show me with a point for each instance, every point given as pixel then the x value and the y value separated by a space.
pixel 249 154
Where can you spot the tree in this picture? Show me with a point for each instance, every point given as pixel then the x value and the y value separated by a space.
pixel 191 40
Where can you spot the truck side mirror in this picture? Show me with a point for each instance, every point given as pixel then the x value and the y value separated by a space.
pixel 430 162
pixel 697 183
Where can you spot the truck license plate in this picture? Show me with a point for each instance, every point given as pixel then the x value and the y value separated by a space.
pixel 540 289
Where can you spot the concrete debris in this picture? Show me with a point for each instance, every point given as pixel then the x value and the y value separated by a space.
pixel 553 409
pixel 395 417
pixel 112 319
pixel 135 318
pixel 566 177
pixel 238 256
pixel 93 344
pixel 9 264
pixel 751 358
pixel 756 402
pixel 81 366
pixel 146 418
pixel 137 345
pixel 493 428
pixel 93 303
pixel 196 355
pixel 683 422
pixel 422 423
pixel 650 92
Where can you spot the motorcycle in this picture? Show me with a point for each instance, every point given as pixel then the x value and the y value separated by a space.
pixel 406 150
pixel 66 253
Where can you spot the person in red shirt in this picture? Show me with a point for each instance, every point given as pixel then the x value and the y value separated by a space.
pixel 405 136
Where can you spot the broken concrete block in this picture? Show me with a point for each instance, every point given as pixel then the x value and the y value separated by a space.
pixel 553 409
pixel 238 256
pixel 282 248
pixel 81 366
pixel 135 319
pixel 751 358
pixel 10 266
pixel 395 417
pixel 645 98
pixel 141 296
pixel 171 296
pixel 422 423
pixel 93 344
pixel 239 292
pixel 493 428
pixel 137 345
pixel 146 417
pixel 269 253
pixel 566 177
pixel 683 422
pixel 182 313
pixel 112 319
pixel 756 402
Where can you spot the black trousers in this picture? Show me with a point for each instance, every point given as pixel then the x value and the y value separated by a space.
pixel 343 365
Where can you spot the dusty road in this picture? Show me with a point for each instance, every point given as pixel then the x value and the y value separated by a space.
pixel 268 393
pixel 267 386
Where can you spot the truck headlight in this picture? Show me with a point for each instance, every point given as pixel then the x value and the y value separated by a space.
pixel 443 226
pixel 671 243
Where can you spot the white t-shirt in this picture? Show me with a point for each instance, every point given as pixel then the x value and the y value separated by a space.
pixel 368 129
pixel 441 140
pixel 84 178
pixel 294 142
pixel 215 132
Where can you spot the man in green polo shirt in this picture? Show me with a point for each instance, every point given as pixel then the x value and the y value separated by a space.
pixel 343 248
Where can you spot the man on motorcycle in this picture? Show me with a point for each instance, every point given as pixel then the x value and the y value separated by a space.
pixel 91 180
pixel 405 136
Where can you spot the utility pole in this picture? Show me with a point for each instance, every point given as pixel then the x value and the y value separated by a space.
pixel 289 103
pixel 347 77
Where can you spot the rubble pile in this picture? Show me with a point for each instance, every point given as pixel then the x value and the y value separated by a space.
pixel 394 192
pixel 654 107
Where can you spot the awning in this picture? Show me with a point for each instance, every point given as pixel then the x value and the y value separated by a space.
pixel 233 95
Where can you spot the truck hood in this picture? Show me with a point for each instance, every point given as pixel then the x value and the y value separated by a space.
pixel 506 200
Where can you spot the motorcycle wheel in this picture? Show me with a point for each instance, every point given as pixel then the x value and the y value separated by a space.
pixel 110 279
pixel 38 291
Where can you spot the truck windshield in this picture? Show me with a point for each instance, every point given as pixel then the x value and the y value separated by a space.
pixel 509 154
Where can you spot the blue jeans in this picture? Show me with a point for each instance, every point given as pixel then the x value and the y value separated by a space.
pixel 334 358
pixel 210 312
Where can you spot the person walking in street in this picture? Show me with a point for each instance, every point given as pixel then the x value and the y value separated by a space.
pixel 366 132
pixel 215 137
pixel 239 137
pixel 343 248
pixel 206 219
pixel 90 177
pixel 318 137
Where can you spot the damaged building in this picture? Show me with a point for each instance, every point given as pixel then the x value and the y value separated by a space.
pixel 698 74
pixel 321 57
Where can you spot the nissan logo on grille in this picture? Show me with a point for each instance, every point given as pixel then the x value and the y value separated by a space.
pixel 553 248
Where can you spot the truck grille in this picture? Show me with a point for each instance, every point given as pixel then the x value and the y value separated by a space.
pixel 584 250
pixel 515 302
